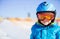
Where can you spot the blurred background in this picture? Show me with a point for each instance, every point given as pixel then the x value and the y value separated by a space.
pixel 18 16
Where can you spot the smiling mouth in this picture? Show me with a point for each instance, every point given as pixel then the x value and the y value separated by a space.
pixel 45 22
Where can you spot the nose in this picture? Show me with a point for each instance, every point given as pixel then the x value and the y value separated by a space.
pixel 46 20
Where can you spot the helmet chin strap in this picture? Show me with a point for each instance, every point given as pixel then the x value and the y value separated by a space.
pixel 47 22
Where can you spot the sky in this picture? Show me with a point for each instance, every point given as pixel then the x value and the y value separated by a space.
pixel 21 8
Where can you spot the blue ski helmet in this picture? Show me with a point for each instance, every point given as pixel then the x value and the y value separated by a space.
pixel 45 7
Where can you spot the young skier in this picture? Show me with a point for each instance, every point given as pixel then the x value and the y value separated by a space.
pixel 45 28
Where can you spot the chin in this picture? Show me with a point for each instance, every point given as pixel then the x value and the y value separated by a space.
pixel 47 23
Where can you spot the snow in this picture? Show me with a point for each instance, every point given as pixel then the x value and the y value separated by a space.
pixel 15 30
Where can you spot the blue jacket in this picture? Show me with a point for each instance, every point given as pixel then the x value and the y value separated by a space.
pixel 41 32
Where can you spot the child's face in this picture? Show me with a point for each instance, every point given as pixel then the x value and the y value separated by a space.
pixel 45 18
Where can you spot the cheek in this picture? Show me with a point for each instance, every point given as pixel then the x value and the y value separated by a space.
pixel 38 16
pixel 52 18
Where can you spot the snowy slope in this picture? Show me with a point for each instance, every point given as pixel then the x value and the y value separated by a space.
pixel 16 30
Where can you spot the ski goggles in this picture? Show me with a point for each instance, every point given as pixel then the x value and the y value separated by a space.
pixel 46 16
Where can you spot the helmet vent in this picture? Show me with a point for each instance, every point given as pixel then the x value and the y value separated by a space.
pixel 45 3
